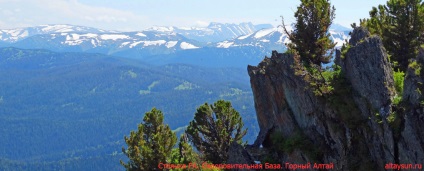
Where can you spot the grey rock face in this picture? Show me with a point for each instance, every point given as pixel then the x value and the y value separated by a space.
pixel 413 82
pixel 358 34
pixel 367 68
pixel 411 142
pixel 238 155
pixel 285 106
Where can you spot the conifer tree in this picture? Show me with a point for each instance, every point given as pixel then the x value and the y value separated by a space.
pixel 214 128
pixel 400 24
pixel 310 37
pixel 310 44
pixel 150 145
pixel 187 154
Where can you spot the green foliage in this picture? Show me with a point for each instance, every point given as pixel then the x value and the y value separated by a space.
pixel 418 91
pixel 340 99
pixel 400 24
pixel 310 38
pixel 397 99
pixel 185 154
pixel 416 67
pixel 150 145
pixel 175 156
pixel 399 78
pixel 391 118
pixel 378 117
pixel 345 48
pixel 214 128
pixel 319 80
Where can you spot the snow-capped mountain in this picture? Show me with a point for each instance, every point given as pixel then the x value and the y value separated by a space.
pixel 275 38
pixel 68 38
pixel 215 32
pixel 14 35
pixel 271 38
pixel 244 43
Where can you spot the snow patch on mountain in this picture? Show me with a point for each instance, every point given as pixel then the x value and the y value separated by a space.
pixel 171 44
pixel 339 37
pixel 93 42
pixel 185 45
pixel 154 43
pixel 264 32
pixel 13 35
pixel 114 36
pixel 141 34
pixel 245 36
pixel 124 44
pixel 57 28
pixel 135 44
pixel 74 39
pixel 225 44
pixel 161 29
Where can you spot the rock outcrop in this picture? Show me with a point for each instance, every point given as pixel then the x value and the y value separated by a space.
pixel 350 129
pixel 411 140
pixel 238 155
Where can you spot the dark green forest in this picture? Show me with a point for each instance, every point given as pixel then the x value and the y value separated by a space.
pixel 70 111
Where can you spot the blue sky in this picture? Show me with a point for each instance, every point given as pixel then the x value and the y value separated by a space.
pixel 131 15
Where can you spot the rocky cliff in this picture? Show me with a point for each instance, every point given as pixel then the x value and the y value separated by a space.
pixel 355 128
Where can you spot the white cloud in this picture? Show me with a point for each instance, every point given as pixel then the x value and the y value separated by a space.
pixel 74 9
pixel 68 12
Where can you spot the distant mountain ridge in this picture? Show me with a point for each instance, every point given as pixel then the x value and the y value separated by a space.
pixel 275 38
pixel 214 32
pixel 244 43
pixel 14 35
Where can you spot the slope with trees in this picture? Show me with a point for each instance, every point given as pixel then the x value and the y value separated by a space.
pixel 69 108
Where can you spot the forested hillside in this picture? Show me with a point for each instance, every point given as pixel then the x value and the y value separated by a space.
pixel 70 110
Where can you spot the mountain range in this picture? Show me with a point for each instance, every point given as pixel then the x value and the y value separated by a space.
pixel 70 93
pixel 232 45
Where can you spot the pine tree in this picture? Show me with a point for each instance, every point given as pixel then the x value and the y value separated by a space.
pixel 150 145
pixel 311 45
pixel 214 128
pixel 310 38
pixel 187 154
pixel 400 24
